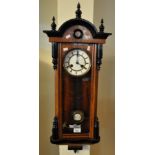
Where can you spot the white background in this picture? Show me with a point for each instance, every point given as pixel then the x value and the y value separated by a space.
pixel 19 77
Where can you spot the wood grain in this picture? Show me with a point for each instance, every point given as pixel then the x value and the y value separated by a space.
pixel 72 40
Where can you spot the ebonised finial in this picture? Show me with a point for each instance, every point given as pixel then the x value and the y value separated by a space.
pixel 101 26
pixel 78 11
pixel 53 25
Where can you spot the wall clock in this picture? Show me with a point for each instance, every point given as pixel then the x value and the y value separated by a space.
pixel 77 55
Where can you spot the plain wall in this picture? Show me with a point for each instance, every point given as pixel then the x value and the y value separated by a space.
pixel 48 8
pixel 106 91
pixel 106 94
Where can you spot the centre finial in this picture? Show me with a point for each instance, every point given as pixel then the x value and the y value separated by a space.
pixel 78 11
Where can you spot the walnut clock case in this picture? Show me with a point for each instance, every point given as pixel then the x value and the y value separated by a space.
pixel 77 54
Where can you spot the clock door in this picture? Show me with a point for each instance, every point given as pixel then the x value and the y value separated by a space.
pixel 77 84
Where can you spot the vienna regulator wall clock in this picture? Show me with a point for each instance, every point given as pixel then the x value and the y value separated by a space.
pixel 77 54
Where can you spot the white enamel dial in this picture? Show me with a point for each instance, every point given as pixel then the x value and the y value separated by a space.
pixel 77 62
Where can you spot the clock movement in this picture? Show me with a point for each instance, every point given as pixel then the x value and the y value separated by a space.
pixel 77 55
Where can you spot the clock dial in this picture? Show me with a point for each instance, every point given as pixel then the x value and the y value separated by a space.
pixel 77 62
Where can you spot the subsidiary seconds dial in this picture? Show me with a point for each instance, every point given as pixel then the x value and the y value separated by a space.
pixel 77 62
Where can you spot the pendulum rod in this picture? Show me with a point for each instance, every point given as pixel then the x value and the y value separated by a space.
pixel 77 94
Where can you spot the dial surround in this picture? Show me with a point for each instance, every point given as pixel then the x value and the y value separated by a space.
pixel 77 62
pixel 78 34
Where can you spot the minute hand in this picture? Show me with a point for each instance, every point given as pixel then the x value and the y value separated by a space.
pixel 77 60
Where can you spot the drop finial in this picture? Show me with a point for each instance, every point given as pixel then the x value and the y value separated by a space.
pixel 78 11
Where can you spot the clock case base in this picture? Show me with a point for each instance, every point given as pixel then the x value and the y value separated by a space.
pixel 71 141
pixel 56 140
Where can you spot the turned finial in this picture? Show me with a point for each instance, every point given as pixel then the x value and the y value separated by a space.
pixel 101 26
pixel 53 25
pixel 78 11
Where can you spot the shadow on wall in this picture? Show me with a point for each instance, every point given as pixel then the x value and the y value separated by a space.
pixel 106 109
pixel 46 109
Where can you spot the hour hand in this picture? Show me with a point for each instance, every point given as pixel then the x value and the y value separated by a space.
pixel 83 66
pixel 71 65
